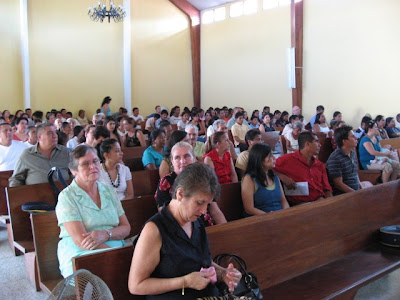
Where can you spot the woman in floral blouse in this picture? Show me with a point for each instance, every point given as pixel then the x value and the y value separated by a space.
pixel 182 156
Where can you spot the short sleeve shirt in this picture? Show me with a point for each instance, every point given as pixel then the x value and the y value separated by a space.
pixel 242 160
pixel 341 165
pixel 239 131
pixel 74 204
pixel 124 175
pixel 151 156
pixel 296 167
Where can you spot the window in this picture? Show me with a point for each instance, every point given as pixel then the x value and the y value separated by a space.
pixel 236 9
pixel 284 2
pixel 219 14
pixel 269 4
pixel 249 7
pixel 207 17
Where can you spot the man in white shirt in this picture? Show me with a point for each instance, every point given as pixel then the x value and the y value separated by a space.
pixel 289 127
pixel 10 150
pixel 138 118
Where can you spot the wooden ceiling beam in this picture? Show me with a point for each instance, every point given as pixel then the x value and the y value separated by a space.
pixel 296 18
pixel 194 22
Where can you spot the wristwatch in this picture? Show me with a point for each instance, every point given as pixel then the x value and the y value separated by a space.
pixel 109 234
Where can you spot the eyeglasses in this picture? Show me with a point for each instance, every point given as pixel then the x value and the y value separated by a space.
pixel 86 164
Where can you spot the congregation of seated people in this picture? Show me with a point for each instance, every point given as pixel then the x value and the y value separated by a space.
pixel 227 143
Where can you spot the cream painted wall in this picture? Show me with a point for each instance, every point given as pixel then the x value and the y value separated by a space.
pixel 10 57
pixel 244 61
pixel 351 57
pixel 74 61
pixel 161 56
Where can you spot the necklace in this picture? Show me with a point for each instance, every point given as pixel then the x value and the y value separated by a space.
pixel 118 177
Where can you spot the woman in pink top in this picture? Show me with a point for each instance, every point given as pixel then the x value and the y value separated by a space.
pixel 220 159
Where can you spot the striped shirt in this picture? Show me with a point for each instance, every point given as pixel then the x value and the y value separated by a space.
pixel 340 164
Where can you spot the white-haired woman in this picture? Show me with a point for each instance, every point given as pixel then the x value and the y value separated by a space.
pixel 89 213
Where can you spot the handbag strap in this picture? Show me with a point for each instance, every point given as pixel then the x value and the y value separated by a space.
pixel 50 178
pixel 237 258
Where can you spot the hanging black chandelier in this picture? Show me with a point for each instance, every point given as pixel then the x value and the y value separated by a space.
pixel 99 12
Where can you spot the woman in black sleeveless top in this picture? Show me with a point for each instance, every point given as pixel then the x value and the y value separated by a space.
pixel 173 246
pixel 133 136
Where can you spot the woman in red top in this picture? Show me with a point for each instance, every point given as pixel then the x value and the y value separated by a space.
pixel 21 134
pixel 220 159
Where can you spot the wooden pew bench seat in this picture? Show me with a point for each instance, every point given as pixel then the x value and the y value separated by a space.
pixel 339 278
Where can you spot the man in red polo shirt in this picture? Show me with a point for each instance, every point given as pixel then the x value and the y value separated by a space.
pixel 303 166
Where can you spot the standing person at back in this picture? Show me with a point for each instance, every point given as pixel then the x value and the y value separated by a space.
pixel 303 166
pixel 35 162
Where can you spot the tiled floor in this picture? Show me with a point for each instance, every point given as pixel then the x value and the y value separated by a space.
pixel 13 283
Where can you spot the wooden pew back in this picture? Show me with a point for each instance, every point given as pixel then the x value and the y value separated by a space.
pixel 326 147
pixel 145 182
pixel 4 176
pixel 19 220
pixel 395 143
pixel 112 267
pixel 282 245
pixel 45 236
pixel 138 211
pixel 270 138
pixel 230 201
pixel 133 157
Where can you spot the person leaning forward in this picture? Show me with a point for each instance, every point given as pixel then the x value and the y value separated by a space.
pixel 35 162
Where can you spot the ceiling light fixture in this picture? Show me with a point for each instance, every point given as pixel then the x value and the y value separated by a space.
pixel 99 12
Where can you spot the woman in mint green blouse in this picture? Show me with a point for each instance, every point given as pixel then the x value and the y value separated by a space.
pixel 89 213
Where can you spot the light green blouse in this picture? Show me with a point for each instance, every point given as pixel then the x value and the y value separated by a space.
pixel 74 204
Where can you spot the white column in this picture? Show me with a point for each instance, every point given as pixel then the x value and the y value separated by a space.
pixel 25 52
pixel 127 57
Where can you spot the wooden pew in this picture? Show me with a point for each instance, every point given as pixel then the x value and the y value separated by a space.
pixel 19 220
pixel 133 157
pixel 321 250
pixel 4 176
pixel 145 182
pixel 230 201
pixel 326 147
pixel 283 144
pixel 45 236
pixel 138 211
pixel 395 143
pixel 270 138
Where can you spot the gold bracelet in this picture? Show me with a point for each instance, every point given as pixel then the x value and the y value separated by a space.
pixel 183 286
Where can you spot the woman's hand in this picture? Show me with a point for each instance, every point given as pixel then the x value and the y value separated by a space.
pixel 91 240
pixel 231 277
pixel 197 280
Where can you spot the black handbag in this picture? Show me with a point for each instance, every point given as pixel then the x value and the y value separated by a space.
pixel 35 207
pixel 247 286
pixel 50 177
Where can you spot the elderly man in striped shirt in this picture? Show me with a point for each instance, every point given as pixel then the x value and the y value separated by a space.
pixel 342 164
